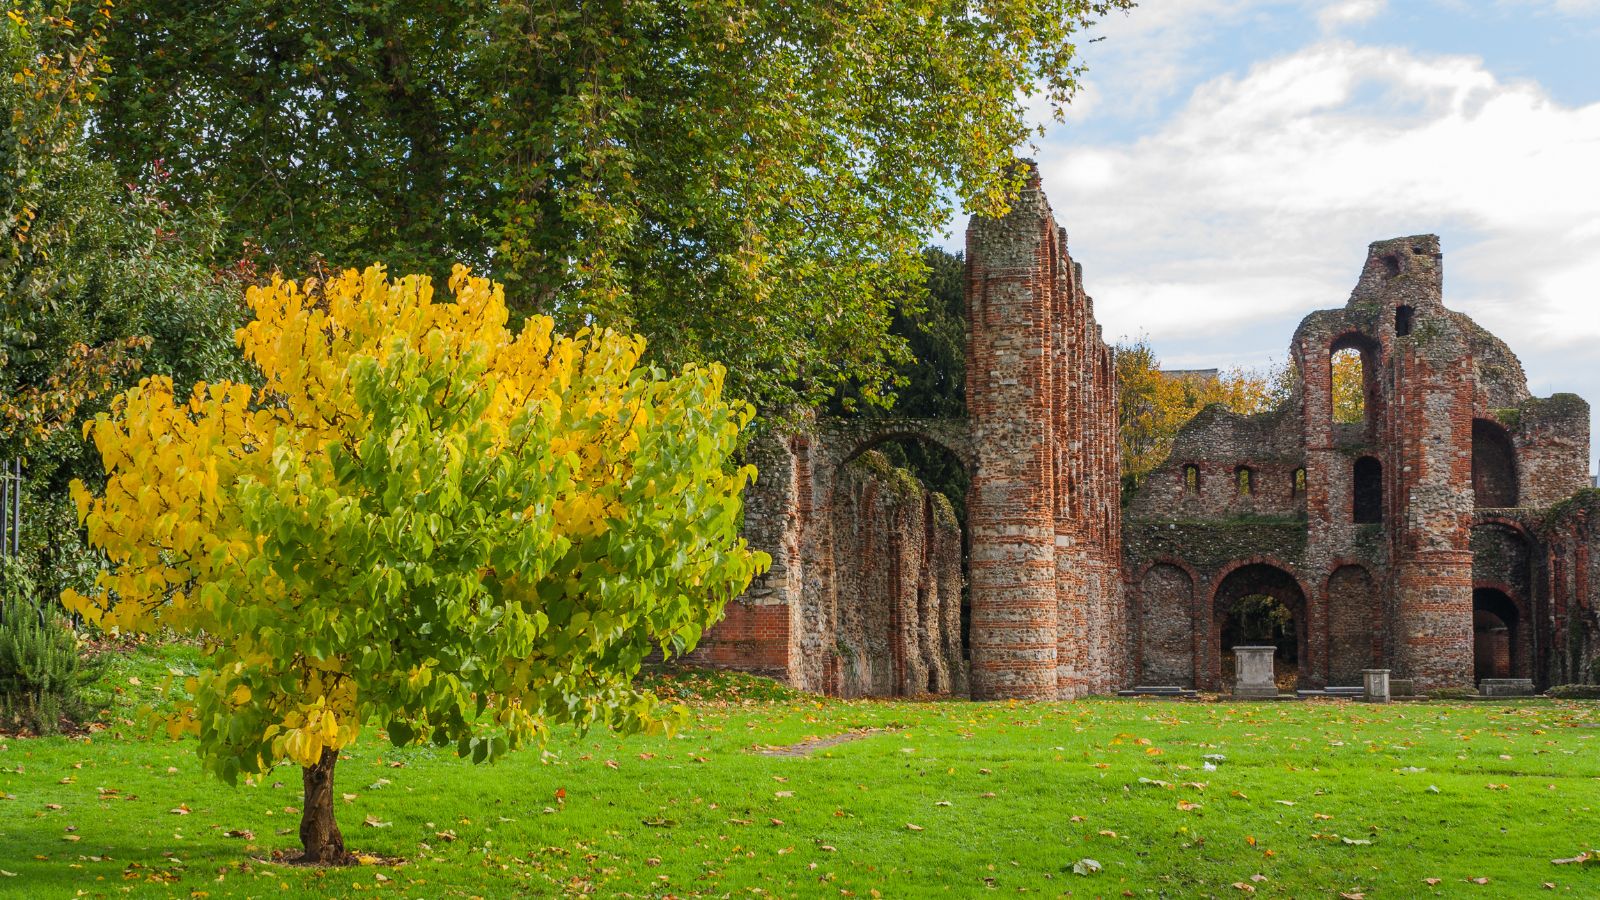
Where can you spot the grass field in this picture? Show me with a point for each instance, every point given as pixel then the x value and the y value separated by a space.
pixel 949 799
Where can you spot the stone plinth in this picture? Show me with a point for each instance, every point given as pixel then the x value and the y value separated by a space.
pixel 1375 685
pixel 1253 675
pixel 1506 687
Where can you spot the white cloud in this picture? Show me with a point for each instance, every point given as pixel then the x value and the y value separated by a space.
pixel 1255 203
pixel 1349 12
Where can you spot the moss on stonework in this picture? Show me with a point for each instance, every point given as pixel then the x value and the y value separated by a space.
pixel 1584 501
pixel 898 481
pixel 944 513
pixel 1210 545
pixel 1509 416
pixel 1556 406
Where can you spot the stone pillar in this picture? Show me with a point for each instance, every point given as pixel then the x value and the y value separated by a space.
pixel 1253 675
pixel 1375 685
pixel 1013 264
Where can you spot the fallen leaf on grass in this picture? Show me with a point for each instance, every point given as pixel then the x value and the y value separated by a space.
pixel 1186 806
pixel 1587 857
pixel 1086 866
pixel 372 822
pixel 1359 841
pixel 245 833
pixel 182 810
pixel 1479 880
pixel 1285 802
pixel 348 798
pixel 1247 888
pixel 911 827
pixel 1430 882
pixel 1352 895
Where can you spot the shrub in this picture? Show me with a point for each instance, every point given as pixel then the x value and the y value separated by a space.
pixel 1575 692
pixel 42 676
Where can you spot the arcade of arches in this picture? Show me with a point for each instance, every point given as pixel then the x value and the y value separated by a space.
pixel 1426 514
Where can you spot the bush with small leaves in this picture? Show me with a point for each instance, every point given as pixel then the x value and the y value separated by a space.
pixel 42 674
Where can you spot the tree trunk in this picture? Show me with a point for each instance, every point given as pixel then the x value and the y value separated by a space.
pixel 319 833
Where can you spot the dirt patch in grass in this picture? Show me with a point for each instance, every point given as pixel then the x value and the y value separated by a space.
pixel 811 745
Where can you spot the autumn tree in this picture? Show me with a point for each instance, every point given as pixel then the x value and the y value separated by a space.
pixel 1349 387
pixel 420 521
pixel 1153 404
pixel 748 181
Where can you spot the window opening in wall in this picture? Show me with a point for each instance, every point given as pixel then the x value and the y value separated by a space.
pixel 1403 318
pixel 1367 492
pixel 1242 477
pixel 1191 479
pixel 1494 636
pixel 1391 265
pixel 1297 487
pixel 1349 381
pixel 1494 466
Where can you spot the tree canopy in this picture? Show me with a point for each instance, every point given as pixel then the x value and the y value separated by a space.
pixel 421 520
pixel 749 181
pixel 100 279
pixel 1154 405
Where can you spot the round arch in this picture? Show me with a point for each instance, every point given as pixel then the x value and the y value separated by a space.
pixel 1245 581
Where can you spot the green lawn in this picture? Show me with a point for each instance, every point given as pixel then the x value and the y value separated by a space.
pixel 954 799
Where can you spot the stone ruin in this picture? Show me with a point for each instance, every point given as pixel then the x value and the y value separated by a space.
pixel 1447 536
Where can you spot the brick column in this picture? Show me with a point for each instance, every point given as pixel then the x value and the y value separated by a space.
pixel 1011 265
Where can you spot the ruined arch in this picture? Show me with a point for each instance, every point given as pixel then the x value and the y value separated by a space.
pixel 1166 626
pixel 1241 582
pixel 1499 625
pixel 1367 394
pixel 1494 466
pixel 899 563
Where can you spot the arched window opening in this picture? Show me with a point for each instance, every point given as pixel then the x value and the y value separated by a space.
pixel 1191 479
pixel 1495 632
pixel 1494 466
pixel 1349 381
pixel 1404 317
pixel 1297 486
pixel 1242 476
pixel 1367 492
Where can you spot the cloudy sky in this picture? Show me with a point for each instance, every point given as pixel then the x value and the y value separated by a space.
pixel 1228 162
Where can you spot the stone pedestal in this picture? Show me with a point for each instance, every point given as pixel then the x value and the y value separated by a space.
pixel 1375 685
pixel 1253 675
pixel 1506 687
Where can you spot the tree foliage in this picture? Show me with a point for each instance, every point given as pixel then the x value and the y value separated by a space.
pixel 420 520
pixel 741 180
pixel 1349 387
pixel 100 280
pixel 1153 405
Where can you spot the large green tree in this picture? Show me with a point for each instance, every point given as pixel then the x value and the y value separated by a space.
pixel 743 180
pixel 100 279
